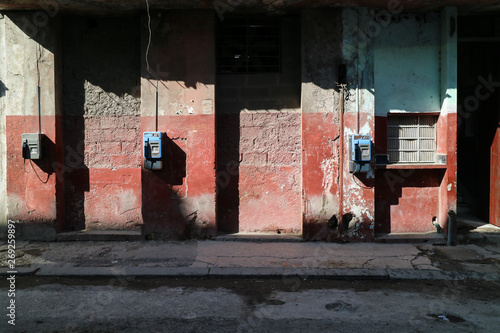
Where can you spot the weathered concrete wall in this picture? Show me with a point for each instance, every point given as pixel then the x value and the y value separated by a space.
pixel 30 185
pixel 359 117
pixel 321 37
pixel 259 129
pixel 93 170
pixel 101 125
pixel 179 201
pixel 3 134
pixel 412 63
pixel 330 39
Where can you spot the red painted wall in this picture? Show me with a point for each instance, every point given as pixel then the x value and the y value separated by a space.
pixel 31 185
pixel 337 207
pixel 269 184
pixel 408 199
pixel 102 172
pixel 319 171
pixel 179 201
pixel 259 143
pixel 101 136
pixel 288 163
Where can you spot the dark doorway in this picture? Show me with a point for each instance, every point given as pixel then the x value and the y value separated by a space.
pixel 478 117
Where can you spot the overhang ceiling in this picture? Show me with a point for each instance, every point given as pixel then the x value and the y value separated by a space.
pixel 112 6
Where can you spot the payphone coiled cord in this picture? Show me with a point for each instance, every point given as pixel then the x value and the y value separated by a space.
pixel 356 182
pixel 24 166
pixel 37 175
pixel 34 170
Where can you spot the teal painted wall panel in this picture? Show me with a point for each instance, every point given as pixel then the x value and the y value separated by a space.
pixel 407 64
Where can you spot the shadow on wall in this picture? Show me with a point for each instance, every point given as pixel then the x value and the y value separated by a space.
pixel 248 98
pixel 46 163
pixel 182 64
pixel 100 99
pixel 101 73
pixel 329 56
pixel 322 40
pixel 419 186
pixel 3 89
pixel 180 48
pixel 161 197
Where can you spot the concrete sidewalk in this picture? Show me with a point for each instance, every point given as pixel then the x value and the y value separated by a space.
pixel 255 259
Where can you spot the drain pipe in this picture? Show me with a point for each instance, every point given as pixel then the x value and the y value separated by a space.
pixel 341 157
pixel 38 54
pixel 342 85
pixel 452 219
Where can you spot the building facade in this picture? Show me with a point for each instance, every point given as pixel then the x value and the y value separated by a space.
pixel 259 107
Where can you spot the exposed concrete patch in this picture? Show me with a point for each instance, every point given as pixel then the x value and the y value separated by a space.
pixel 103 83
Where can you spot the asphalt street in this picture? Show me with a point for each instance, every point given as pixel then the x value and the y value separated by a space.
pixel 51 304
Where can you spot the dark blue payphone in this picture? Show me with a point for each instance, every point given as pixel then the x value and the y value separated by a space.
pixel 152 150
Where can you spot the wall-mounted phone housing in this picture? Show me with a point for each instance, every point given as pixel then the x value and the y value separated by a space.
pixel 360 153
pixel 152 150
pixel 32 146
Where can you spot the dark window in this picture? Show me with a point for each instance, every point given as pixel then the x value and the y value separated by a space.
pixel 249 45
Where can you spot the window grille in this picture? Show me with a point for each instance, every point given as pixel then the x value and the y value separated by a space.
pixel 249 45
pixel 411 138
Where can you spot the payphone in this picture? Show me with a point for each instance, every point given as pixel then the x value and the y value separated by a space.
pixel 152 150
pixel 360 153
pixel 32 146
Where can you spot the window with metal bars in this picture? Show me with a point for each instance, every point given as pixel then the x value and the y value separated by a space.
pixel 411 138
pixel 249 45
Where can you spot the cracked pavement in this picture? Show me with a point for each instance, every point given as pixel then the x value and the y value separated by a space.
pixel 236 258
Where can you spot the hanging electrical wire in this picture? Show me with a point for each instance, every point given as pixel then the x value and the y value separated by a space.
pixel 149 39
pixel 148 69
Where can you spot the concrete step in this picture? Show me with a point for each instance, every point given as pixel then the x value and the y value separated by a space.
pixel 412 238
pixel 99 235
pixel 478 238
pixel 259 237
